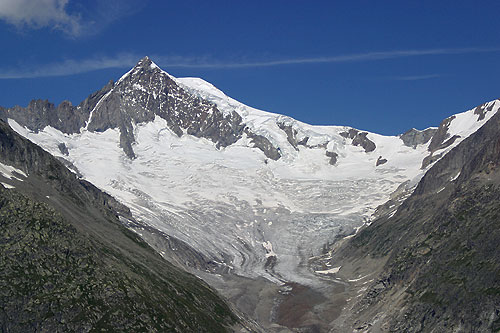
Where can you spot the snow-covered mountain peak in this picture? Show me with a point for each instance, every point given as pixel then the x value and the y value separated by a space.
pixel 226 178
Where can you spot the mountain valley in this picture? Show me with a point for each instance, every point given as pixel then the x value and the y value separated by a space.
pixel 299 227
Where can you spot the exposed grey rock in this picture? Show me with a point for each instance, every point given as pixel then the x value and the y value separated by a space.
pixel 413 137
pixel 363 141
pixel 359 139
pixel 264 144
pixel 41 113
pixel 351 134
pixel 140 96
pixel 63 149
pixel 303 142
pixel 148 92
pixel 291 135
pixel 65 117
pixel 481 110
pixel 70 166
pixel 429 159
pixel 440 140
pixel 380 161
pixel 441 134
pixel 333 157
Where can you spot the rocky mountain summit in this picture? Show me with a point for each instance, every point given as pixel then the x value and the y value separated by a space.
pixel 250 201
pixel 138 97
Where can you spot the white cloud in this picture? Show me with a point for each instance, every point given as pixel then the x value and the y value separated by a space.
pixel 40 14
pixel 127 60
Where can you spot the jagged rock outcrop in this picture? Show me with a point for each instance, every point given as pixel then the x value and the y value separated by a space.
pixel 65 117
pixel 359 139
pixel 441 135
pixel 63 149
pixel 380 161
pixel 141 95
pixel 145 92
pixel 333 157
pixel 440 140
pixel 291 135
pixel 482 109
pixel 414 137
pixel 41 113
pixel 261 142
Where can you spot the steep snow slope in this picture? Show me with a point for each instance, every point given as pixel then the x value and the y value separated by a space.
pixel 250 214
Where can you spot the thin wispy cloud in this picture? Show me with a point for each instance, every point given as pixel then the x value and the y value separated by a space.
pixel 126 60
pixel 416 77
pixel 69 67
pixel 40 14
pixel 368 56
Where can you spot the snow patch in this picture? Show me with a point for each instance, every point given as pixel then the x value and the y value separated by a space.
pixel 269 249
pixel 8 172
pixel 330 271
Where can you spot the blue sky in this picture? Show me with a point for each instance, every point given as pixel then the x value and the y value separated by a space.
pixel 382 66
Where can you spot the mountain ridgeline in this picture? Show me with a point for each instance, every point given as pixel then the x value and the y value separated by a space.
pixel 143 93
pixel 302 228
pixel 146 92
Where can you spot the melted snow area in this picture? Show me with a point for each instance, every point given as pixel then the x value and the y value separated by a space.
pixel 234 204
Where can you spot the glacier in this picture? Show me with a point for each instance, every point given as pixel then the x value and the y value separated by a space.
pixel 250 215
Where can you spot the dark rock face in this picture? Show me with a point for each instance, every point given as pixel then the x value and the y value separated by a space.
pixel 291 135
pixel 440 140
pixel 148 92
pixel 429 159
pixel 363 141
pixel 442 266
pixel 333 157
pixel 481 110
pixel 441 134
pixel 68 264
pixel 264 144
pixel 65 117
pixel 143 94
pixel 41 113
pixel 351 134
pixel 63 149
pixel 380 161
pixel 414 137
pixel 359 139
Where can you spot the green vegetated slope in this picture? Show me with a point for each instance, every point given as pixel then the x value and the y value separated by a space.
pixel 441 249
pixel 67 264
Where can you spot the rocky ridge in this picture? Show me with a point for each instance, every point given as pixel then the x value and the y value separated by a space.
pixel 432 265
